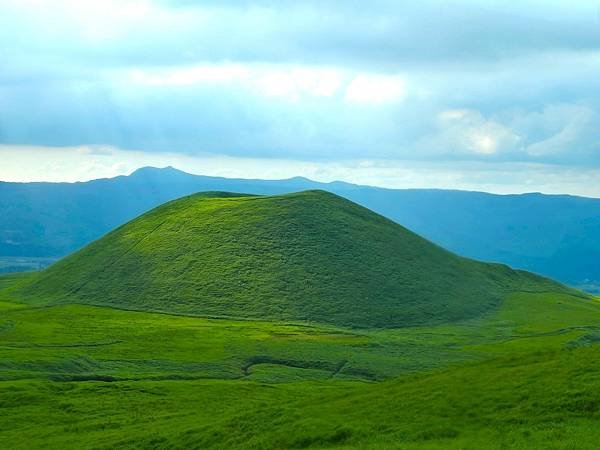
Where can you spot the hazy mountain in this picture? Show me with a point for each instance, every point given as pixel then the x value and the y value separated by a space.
pixel 554 235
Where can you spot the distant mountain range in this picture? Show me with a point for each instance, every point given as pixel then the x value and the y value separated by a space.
pixel 553 235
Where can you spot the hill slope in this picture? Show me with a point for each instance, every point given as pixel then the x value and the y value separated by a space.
pixel 554 235
pixel 308 256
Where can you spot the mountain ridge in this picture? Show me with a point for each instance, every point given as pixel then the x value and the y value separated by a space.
pixel 556 236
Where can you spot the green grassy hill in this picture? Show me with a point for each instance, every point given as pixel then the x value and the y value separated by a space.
pixel 119 346
pixel 310 256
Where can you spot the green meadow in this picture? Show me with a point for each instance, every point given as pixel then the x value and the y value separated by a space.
pixel 84 376
pixel 82 368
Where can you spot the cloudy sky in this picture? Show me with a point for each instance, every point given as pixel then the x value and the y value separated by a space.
pixel 483 95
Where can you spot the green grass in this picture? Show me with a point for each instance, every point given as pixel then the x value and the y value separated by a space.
pixel 64 342
pixel 151 338
pixel 311 257
pixel 523 376
pixel 550 400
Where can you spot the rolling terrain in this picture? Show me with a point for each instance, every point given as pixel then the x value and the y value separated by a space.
pixel 523 376
pixel 553 235
pixel 544 401
pixel 310 256
pixel 292 321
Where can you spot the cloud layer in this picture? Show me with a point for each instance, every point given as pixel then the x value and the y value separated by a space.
pixel 326 81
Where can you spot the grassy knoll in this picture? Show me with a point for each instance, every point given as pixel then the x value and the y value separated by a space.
pixel 311 257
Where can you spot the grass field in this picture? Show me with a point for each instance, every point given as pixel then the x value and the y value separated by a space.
pixel 80 341
pixel 550 400
pixel 370 337
pixel 81 376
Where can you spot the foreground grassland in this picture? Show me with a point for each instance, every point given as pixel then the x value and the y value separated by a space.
pixel 76 376
pixel 551 400
pixel 78 342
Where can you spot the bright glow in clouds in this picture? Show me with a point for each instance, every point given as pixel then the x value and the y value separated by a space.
pixel 94 20
pixel 471 131
pixel 83 163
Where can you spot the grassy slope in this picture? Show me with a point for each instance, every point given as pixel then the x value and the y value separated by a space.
pixel 546 400
pixel 66 342
pixel 310 256
pixel 524 376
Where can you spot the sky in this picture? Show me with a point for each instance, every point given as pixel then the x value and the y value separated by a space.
pixel 478 95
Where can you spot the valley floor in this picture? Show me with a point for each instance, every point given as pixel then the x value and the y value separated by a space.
pixel 80 376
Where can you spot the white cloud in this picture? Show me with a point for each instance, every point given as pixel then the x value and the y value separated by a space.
pixel 294 82
pixel 375 89
pixel 270 80
pixel 286 81
pixel 189 76
pixel 93 21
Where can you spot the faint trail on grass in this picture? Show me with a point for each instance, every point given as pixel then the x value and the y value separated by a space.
pixel 339 368
pixel 136 244
pixel 318 365
pixel 89 344
pixel 552 333
pixel 121 256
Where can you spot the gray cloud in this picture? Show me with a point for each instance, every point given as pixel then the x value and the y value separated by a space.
pixel 385 33
pixel 483 81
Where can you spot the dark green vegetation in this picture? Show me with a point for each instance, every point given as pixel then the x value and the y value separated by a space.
pixel 511 360
pixel 554 235
pixel 311 256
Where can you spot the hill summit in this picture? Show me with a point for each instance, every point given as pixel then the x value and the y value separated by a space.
pixel 308 256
